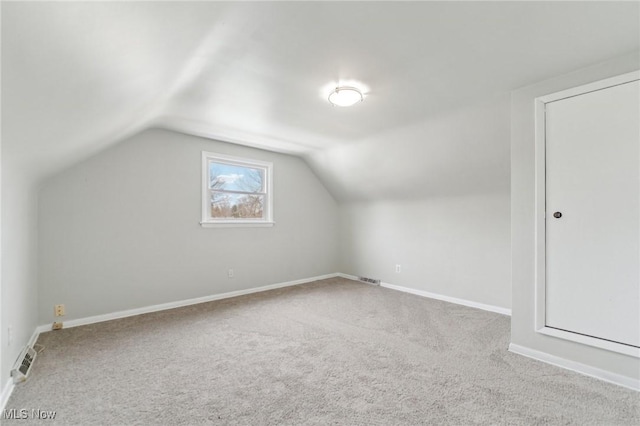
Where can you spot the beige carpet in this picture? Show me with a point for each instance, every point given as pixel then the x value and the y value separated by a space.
pixel 333 352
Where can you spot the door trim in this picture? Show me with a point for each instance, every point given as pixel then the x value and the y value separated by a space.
pixel 540 221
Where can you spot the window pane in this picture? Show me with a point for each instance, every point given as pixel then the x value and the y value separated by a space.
pixel 235 191
pixel 229 177
pixel 236 206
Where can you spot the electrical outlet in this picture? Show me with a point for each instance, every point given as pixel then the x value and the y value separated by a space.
pixel 58 310
pixel 398 269
pixel 230 273
pixel 56 326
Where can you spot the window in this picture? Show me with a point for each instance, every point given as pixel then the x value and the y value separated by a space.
pixel 236 191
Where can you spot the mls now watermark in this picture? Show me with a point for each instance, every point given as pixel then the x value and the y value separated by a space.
pixel 23 414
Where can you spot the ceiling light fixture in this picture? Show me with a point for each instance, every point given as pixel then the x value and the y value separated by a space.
pixel 345 96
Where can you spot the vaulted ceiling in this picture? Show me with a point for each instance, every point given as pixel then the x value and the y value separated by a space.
pixel 79 76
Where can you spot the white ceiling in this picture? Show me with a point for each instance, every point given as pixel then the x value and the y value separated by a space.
pixel 78 76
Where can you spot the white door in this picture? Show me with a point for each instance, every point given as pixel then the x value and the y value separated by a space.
pixel 593 214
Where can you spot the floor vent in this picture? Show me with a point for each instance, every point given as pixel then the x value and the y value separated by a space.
pixel 369 280
pixel 24 364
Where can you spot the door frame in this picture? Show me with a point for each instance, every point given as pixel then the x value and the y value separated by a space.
pixel 540 209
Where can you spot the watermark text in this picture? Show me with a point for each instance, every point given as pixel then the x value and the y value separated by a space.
pixel 23 414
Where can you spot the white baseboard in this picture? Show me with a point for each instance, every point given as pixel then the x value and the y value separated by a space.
pixel 469 303
pixel 490 308
pixel 354 278
pixel 171 305
pixel 34 337
pixel 587 370
pixel 7 389
pixel 349 277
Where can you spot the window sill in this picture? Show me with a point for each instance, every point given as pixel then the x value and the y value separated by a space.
pixel 237 224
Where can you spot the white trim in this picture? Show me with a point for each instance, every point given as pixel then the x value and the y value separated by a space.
pixel 238 224
pixel 354 278
pixel 171 305
pixel 237 161
pixel 7 390
pixel 455 300
pixel 591 87
pixel 587 370
pixel 347 276
pixel 540 216
pixel 591 341
pixel 207 221
pixel 34 337
pixel 469 303
pixel 44 328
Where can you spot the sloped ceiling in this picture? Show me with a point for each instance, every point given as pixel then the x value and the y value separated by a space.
pixel 79 76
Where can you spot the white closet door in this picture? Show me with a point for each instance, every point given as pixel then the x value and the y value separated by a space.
pixel 593 181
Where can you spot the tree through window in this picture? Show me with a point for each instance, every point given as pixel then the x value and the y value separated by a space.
pixel 236 190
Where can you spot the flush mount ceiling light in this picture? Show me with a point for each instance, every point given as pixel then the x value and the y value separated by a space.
pixel 345 96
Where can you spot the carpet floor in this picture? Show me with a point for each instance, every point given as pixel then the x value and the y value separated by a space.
pixel 332 352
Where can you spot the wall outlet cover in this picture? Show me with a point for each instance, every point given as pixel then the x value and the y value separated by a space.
pixel 58 310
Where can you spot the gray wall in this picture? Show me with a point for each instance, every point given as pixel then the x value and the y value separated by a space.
pixel 442 211
pixel 454 246
pixel 522 222
pixel 121 230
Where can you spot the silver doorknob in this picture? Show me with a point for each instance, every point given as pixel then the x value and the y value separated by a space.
pixel 557 215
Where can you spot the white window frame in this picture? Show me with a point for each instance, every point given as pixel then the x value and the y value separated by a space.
pixel 207 220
